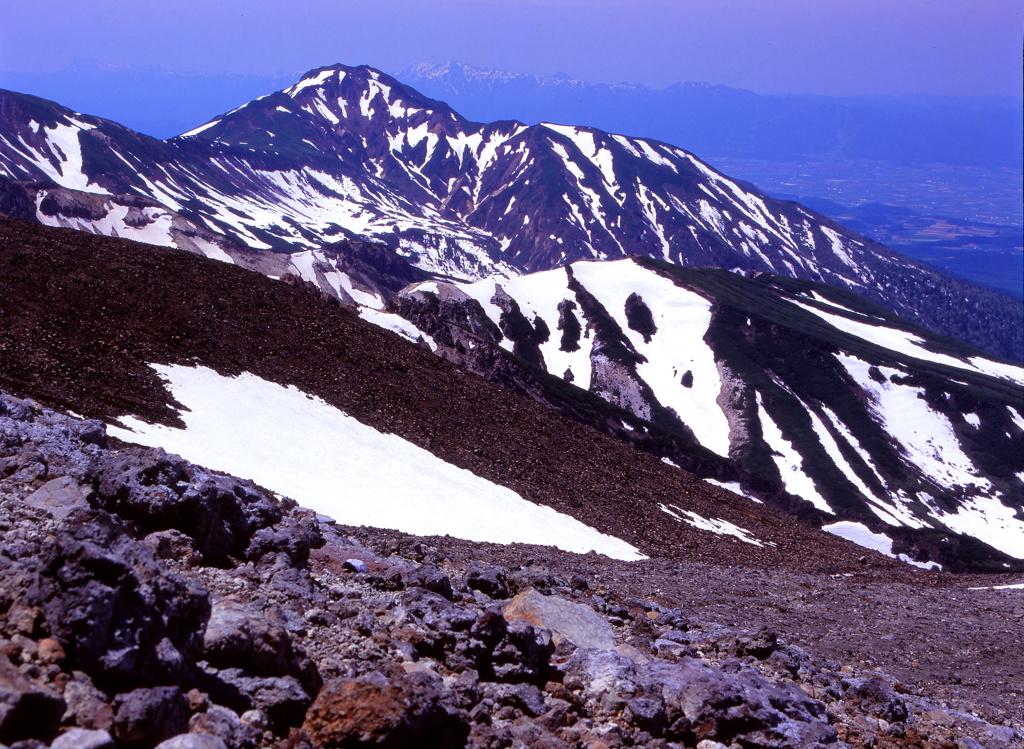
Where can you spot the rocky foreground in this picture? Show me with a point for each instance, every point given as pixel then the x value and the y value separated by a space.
pixel 145 601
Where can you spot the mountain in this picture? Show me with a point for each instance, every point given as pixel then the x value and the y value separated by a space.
pixel 113 329
pixel 719 121
pixel 792 394
pixel 878 424
pixel 350 153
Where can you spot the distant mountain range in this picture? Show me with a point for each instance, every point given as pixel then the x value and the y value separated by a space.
pixel 712 120
pixel 352 153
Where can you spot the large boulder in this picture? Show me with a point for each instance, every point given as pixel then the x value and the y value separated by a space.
pixel 575 622
pixel 121 615
pixel 386 713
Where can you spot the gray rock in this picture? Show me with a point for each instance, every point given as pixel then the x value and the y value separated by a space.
pixel 123 617
pixel 83 738
pixel 28 710
pixel 523 654
pixel 526 698
pixel 145 717
pixel 281 698
pixel 491 581
pixel 578 624
pixel 60 497
pixel 430 578
pixel 877 697
pixel 226 724
pixel 173 544
pixel 87 706
pixel 604 676
pixel 293 537
pixel 355 565
pixel 240 636
pixel 192 741
pixel 702 702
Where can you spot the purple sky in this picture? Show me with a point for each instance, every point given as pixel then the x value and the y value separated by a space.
pixel 845 47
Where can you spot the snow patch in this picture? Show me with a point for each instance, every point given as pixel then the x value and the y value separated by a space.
pixel 714 525
pixel 862 536
pixel 299 446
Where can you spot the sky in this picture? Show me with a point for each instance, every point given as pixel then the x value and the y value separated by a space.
pixel 834 47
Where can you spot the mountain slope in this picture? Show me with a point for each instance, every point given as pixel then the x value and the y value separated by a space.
pixel 351 152
pixel 870 419
pixel 86 316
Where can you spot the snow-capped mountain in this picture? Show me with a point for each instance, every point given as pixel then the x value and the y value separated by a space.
pixel 353 153
pixel 870 419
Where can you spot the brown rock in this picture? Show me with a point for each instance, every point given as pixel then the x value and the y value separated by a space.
pixel 372 710
pixel 50 651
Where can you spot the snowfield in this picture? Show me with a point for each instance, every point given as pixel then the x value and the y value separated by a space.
pixel 299 446
pixel 862 536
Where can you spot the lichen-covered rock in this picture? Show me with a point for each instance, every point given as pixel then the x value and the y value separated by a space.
pixel 59 497
pixel 87 706
pixel 387 713
pixel 878 698
pixel 227 725
pixel 160 491
pixel 575 622
pixel 193 741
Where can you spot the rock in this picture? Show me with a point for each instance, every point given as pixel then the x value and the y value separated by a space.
pixel 355 565
pixel 430 578
pixel 50 651
pixel 604 677
pixel 523 654
pixel 224 723
pixel 192 741
pixel 28 710
pixel 490 581
pixel 173 544
pixel 282 699
pixel 145 717
pixel 59 497
pixel 372 710
pixel 120 614
pixel 293 537
pixel 702 702
pixel 878 697
pixel 525 698
pixel 240 636
pixel 760 645
pixel 575 622
pixel 87 707
pixel 83 738
pixel 160 492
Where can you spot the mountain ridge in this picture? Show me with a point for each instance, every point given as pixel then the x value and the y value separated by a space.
pixel 361 155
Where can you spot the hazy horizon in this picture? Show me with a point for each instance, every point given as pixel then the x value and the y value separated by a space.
pixel 858 47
